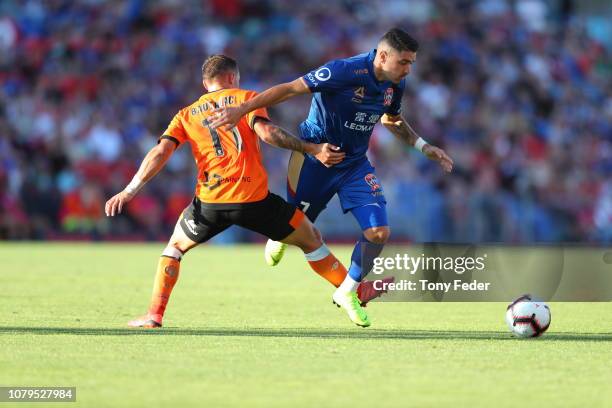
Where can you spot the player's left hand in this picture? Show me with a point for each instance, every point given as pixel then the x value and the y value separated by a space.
pixel 115 204
pixel 439 155
pixel 227 116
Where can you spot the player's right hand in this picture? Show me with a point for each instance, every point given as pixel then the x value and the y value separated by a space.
pixel 227 116
pixel 116 203
pixel 328 154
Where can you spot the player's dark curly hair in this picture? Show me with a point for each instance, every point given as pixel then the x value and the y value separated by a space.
pixel 400 40
pixel 218 64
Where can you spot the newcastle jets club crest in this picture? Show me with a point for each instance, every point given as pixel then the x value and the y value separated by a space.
pixel 372 182
pixel 388 96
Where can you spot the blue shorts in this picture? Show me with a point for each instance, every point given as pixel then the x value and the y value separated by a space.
pixel 310 186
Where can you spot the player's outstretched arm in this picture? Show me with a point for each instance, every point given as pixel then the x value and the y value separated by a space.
pixel 276 136
pixel 402 130
pixel 229 116
pixel 153 162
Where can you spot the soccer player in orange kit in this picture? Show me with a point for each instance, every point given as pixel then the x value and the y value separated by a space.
pixel 232 187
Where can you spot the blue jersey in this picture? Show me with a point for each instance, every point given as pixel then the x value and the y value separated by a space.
pixel 347 103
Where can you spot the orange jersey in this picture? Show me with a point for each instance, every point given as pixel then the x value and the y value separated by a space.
pixel 230 168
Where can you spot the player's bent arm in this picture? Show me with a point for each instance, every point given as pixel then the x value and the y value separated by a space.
pixel 275 95
pixel 229 116
pixel 153 162
pixel 400 128
pixel 279 137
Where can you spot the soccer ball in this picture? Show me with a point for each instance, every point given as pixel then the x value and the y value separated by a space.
pixel 527 317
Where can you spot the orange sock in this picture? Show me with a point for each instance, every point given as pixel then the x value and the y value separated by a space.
pixel 327 265
pixel 165 279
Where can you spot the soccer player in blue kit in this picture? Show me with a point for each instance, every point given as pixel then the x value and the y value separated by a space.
pixel 349 97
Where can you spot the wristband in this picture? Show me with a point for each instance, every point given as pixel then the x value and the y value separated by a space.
pixel 135 185
pixel 420 143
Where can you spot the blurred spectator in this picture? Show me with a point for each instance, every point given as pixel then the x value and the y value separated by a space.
pixel 81 210
pixel 518 92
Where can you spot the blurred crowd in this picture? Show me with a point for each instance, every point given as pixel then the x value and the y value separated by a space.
pixel 518 92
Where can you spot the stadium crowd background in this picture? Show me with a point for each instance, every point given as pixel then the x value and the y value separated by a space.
pixel 519 94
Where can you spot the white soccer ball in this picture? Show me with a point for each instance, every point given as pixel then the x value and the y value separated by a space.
pixel 527 317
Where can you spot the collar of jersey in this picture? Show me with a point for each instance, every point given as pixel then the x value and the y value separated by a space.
pixel 216 90
pixel 370 63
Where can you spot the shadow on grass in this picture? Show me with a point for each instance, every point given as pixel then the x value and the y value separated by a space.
pixel 304 333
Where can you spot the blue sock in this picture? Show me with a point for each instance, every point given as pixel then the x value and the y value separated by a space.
pixel 362 258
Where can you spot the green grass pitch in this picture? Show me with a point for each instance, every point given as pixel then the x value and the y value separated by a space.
pixel 238 333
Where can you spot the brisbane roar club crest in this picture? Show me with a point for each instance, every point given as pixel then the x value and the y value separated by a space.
pixel 388 97
pixel 373 183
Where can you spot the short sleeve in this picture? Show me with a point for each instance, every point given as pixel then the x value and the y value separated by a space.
pixel 332 76
pixel 175 131
pixel 396 102
pixel 257 113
